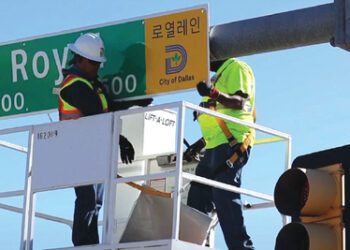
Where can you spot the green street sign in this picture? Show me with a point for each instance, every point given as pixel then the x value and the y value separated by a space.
pixel 144 57
pixel 31 69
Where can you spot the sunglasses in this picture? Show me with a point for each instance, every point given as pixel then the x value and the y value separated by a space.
pixel 94 62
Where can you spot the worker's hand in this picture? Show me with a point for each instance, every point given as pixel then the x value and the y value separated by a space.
pixel 192 152
pixel 144 102
pixel 121 105
pixel 127 152
pixel 205 89
pixel 195 115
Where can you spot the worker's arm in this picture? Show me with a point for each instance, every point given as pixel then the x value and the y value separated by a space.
pixel 122 105
pixel 233 101
pixel 82 97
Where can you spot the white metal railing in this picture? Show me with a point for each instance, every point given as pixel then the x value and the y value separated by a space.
pixel 111 184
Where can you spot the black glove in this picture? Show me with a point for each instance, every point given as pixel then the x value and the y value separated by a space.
pixel 192 152
pixel 205 89
pixel 143 102
pixel 122 105
pixel 195 115
pixel 127 152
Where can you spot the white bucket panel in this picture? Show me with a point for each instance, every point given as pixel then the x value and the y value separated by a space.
pixel 155 134
pixel 160 123
pixel 72 152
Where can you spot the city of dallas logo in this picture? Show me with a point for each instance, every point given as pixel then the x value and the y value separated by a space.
pixel 178 61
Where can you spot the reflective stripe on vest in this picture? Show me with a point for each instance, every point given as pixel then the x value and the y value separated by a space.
pixel 67 111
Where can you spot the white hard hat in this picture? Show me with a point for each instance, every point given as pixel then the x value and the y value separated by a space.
pixel 90 46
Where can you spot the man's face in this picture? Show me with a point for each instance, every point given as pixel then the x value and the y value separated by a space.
pixel 90 67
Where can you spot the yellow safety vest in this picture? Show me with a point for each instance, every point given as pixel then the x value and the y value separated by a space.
pixel 233 75
pixel 67 111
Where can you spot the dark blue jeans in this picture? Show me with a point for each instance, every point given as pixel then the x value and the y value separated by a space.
pixel 87 205
pixel 228 205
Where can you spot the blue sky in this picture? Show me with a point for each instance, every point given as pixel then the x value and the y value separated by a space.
pixel 301 91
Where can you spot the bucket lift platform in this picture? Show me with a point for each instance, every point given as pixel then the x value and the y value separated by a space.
pixel 73 153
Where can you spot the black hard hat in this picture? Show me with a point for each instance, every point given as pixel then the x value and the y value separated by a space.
pixel 215 65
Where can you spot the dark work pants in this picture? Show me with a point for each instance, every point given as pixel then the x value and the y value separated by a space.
pixel 87 205
pixel 228 205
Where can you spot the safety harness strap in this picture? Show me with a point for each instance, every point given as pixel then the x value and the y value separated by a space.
pixel 231 139
pixel 242 149
pixel 211 104
pixel 146 189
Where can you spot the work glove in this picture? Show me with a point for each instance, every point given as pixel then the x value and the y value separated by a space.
pixel 143 102
pixel 127 152
pixel 205 89
pixel 122 105
pixel 195 115
pixel 193 151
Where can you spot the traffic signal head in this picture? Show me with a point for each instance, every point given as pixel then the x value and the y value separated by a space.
pixel 313 197
pixel 308 236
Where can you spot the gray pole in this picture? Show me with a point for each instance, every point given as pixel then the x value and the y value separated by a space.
pixel 275 32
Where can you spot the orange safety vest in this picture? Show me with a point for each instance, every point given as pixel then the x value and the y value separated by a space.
pixel 67 111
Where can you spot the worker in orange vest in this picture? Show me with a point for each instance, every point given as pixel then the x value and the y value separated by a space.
pixel 82 94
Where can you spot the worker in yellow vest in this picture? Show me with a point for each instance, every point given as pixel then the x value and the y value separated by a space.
pixel 82 94
pixel 228 145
